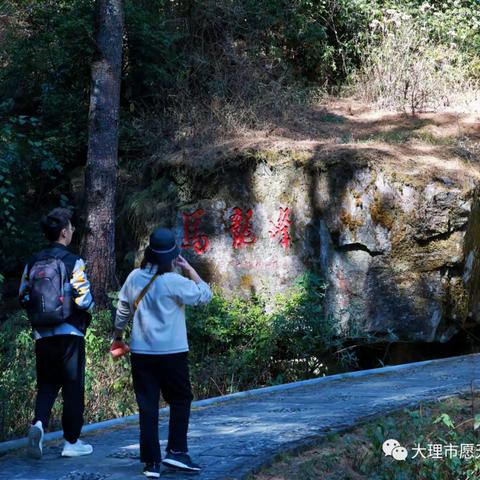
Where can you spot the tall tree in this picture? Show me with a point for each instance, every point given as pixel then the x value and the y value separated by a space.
pixel 101 173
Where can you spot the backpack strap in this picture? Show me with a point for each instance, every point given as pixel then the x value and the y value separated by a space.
pixel 60 254
pixel 49 253
pixel 144 291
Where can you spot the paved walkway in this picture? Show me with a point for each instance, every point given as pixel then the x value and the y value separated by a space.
pixel 231 438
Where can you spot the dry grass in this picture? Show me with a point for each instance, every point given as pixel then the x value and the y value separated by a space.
pixel 323 131
pixel 411 72
pixel 413 148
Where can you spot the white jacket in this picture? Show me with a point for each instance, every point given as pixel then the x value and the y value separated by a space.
pixel 159 321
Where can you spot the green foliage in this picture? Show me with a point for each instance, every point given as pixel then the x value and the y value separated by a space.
pixel 421 55
pixel 108 385
pixel 153 49
pixel 17 376
pixel 25 160
pixel 45 57
pixel 181 45
pixel 236 344
pixel 448 22
pixel 432 428
pixel 420 424
pixel 192 71
pixel 229 345
pixel 320 38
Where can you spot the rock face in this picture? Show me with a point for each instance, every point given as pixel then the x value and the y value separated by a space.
pixel 395 252
pixel 397 239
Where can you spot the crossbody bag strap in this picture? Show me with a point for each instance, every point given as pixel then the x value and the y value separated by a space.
pixel 144 291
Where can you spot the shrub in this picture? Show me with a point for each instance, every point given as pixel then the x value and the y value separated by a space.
pixel 410 66
pixel 17 376
pixel 426 430
pixel 108 384
pixel 108 388
pixel 235 344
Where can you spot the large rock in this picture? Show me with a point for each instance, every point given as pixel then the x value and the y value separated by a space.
pixel 387 232
pixel 393 243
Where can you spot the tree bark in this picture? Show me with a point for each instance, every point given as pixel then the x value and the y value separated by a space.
pixel 98 246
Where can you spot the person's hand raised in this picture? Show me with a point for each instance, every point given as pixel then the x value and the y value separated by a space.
pixel 182 263
pixel 188 270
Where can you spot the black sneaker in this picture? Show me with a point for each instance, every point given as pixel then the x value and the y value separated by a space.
pixel 181 461
pixel 152 470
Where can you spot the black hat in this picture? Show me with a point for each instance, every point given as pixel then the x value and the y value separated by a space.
pixel 162 247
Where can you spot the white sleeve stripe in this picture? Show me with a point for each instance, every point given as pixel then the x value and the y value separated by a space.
pixel 81 286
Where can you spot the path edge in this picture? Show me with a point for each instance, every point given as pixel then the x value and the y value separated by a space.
pixel 22 442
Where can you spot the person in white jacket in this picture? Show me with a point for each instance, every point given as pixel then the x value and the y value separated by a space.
pixel 155 296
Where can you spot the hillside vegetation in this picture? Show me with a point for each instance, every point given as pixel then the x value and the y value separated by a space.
pixel 196 72
pixel 202 81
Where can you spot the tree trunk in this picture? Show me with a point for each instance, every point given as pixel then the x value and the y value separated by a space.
pixel 98 246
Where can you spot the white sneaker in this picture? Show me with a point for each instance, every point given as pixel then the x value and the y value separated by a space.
pixel 35 440
pixel 76 449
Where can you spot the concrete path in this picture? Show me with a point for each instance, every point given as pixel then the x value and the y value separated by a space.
pixel 231 438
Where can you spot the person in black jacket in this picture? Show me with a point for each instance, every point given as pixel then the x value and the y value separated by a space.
pixel 60 348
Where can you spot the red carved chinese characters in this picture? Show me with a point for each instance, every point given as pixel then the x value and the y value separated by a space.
pixel 241 228
pixel 281 228
pixel 191 236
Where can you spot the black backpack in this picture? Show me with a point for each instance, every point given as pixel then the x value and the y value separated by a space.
pixel 50 292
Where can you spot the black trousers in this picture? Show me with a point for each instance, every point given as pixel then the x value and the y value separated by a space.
pixel 61 365
pixel 169 375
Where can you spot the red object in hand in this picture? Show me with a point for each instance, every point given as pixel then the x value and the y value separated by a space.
pixel 118 349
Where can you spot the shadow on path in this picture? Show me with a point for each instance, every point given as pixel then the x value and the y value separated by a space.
pixel 234 438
